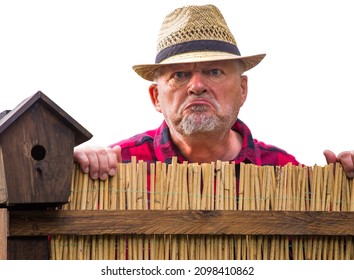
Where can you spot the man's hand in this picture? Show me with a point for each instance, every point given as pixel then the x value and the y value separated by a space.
pixel 345 158
pixel 99 162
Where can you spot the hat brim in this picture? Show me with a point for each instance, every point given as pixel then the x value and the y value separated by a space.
pixel 147 71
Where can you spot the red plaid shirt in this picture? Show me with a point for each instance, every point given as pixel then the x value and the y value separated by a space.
pixel 156 145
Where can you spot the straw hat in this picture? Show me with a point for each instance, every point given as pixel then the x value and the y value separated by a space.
pixel 195 34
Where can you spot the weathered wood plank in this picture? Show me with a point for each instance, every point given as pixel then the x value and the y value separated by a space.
pixel 3 233
pixel 28 248
pixel 85 222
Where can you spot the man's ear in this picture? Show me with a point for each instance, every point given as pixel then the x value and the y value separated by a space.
pixel 154 96
pixel 244 88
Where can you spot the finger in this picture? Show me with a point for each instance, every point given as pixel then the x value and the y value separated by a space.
pixel 330 156
pixel 94 164
pixel 118 151
pixel 114 158
pixel 103 157
pixel 350 173
pixel 112 161
pixel 81 158
pixel 347 161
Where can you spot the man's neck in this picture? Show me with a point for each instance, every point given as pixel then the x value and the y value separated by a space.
pixel 208 148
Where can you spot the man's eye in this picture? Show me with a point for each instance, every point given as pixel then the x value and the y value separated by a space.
pixel 181 75
pixel 215 72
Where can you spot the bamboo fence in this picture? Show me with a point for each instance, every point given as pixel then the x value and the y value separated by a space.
pixel 212 186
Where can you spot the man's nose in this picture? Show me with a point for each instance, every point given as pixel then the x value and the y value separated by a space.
pixel 197 83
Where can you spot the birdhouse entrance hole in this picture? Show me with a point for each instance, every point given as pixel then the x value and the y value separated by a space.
pixel 38 152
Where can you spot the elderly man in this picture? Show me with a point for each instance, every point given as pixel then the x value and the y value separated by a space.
pixel 199 86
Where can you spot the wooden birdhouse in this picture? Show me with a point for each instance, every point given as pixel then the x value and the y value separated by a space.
pixel 37 140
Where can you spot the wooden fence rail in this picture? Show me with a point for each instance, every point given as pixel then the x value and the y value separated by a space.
pixel 91 222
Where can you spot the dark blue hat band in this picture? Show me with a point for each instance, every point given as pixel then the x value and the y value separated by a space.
pixel 199 45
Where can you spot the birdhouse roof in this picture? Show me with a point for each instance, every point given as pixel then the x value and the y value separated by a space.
pixel 81 134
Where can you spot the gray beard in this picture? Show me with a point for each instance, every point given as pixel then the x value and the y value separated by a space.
pixel 199 124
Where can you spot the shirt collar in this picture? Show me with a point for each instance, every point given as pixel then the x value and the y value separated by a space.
pixel 165 149
pixel 249 151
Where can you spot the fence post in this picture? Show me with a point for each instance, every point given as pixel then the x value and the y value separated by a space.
pixel 3 233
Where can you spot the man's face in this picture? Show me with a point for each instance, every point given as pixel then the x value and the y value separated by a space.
pixel 199 98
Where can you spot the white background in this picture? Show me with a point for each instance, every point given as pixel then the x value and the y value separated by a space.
pixel 58 270
pixel 80 53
